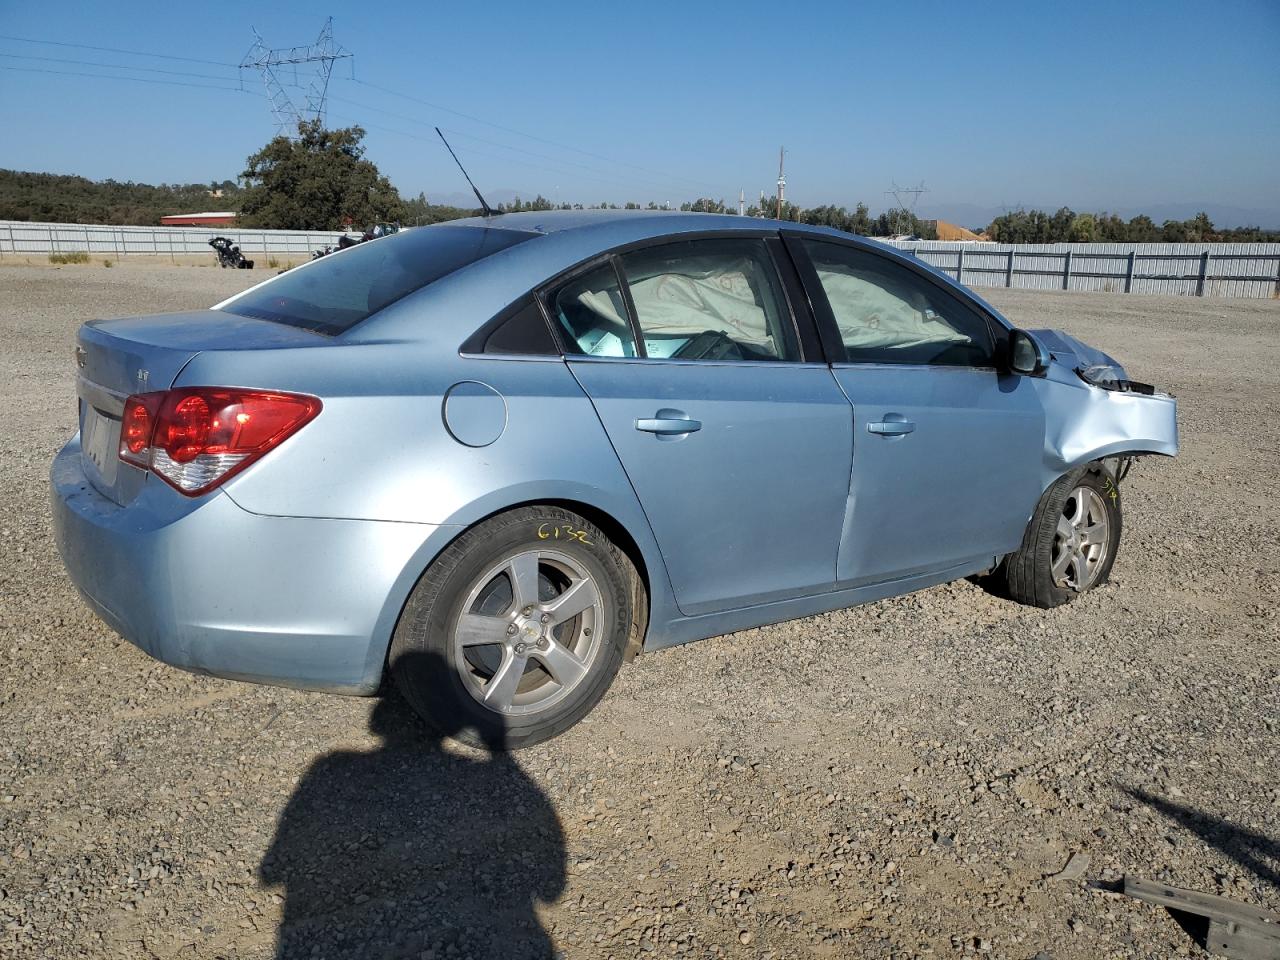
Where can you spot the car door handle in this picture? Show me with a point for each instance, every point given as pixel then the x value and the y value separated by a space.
pixel 891 428
pixel 668 422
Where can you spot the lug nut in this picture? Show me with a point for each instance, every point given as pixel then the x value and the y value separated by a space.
pixel 546 618
pixel 521 648
pixel 511 629
pixel 543 643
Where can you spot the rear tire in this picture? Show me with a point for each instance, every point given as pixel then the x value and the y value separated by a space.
pixel 1071 542
pixel 517 629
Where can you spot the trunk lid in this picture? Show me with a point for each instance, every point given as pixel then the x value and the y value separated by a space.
pixel 117 358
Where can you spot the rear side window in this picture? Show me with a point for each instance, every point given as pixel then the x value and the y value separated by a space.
pixel 592 312
pixel 711 299
pixel 335 293
pixel 519 330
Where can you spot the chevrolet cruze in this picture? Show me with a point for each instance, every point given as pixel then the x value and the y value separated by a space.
pixel 496 458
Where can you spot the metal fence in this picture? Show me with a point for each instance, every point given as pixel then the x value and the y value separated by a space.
pixel 22 237
pixel 1196 269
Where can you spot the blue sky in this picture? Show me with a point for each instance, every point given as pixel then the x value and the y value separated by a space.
pixel 1127 106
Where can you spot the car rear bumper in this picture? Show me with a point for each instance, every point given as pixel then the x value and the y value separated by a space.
pixel 209 587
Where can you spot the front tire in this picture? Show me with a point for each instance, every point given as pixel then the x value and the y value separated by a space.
pixel 1071 542
pixel 517 629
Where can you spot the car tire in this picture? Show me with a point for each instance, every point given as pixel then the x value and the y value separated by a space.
pixel 518 669
pixel 1071 542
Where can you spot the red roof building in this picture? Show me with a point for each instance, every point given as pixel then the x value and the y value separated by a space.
pixel 222 219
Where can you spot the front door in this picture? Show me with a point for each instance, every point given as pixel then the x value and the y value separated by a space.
pixel 738 450
pixel 947 450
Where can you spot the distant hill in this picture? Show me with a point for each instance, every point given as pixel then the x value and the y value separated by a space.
pixel 66 199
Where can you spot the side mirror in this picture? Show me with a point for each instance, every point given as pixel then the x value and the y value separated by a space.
pixel 1027 355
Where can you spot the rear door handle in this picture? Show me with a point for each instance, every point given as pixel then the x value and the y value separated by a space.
pixel 668 423
pixel 891 428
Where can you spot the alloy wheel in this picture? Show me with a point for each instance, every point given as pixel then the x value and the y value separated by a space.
pixel 1082 540
pixel 529 632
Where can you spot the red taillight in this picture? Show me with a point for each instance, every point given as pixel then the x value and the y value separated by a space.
pixel 136 427
pixel 196 437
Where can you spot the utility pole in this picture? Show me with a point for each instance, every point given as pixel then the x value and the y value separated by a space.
pixel 904 214
pixel 742 203
pixel 782 180
pixel 322 54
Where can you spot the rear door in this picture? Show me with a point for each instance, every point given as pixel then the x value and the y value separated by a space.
pixel 736 443
pixel 946 449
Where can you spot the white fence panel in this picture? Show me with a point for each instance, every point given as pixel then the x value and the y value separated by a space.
pixel 21 237
pixel 1204 269
pixel 1229 270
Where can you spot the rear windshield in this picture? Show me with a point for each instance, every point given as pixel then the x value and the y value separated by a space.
pixel 341 289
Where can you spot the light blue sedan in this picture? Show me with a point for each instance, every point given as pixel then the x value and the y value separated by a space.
pixel 496 458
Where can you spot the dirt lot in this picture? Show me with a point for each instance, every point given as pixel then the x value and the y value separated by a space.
pixel 898 780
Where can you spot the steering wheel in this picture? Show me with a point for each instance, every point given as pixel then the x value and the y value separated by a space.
pixel 710 345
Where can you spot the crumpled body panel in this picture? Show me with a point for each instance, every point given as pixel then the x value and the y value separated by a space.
pixel 1085 423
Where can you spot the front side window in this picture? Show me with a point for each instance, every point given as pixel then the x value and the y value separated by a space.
pixel 592 314
pixel 336 292
pixel 887 314
pixel 714 299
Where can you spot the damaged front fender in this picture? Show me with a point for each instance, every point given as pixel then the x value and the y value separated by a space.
pixel 1084 422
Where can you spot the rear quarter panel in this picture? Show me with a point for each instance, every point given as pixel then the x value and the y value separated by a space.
pixel 380 449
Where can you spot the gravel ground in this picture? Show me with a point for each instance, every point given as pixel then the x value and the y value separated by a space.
pixel 941 774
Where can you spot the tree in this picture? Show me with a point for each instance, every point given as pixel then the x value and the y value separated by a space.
pixel 321 181
pixel 704 205
pixel 1083 229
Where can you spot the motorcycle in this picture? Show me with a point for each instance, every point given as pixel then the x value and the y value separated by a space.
pixel 229 254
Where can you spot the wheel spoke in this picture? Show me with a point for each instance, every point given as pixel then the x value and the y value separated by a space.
pixel 1081 515
pixel 523 571
pixel 1079 569
pixel 1065 530
pixel 580 595
pixel 1095 533
pixel 1059 569
pixel 475 629
pixel 500 690
pixel 562 664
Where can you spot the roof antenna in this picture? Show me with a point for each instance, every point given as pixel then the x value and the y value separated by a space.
pixel 483 206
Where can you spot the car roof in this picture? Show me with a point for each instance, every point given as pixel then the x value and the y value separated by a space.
pixel 643 223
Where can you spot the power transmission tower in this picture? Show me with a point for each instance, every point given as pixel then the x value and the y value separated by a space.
pixel 904 214
pixel 782 180
pixel 322 54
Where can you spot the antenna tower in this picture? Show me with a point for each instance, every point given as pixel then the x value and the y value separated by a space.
pixel 905 211
pixel 316 62
pixel 782 180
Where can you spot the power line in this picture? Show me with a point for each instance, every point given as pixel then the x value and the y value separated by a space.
pixel 473 153
pixel 668 179
pixel 519 133
pixel 119 66
pixel 664 184
pixel 135 53
pixel 110 76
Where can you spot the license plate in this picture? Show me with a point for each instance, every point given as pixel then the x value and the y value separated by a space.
pixel 98 441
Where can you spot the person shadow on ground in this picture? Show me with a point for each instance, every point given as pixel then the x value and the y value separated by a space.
pixel 411 851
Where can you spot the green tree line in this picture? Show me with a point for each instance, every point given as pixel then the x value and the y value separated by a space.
pixel 1067 226
pixel 56 198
